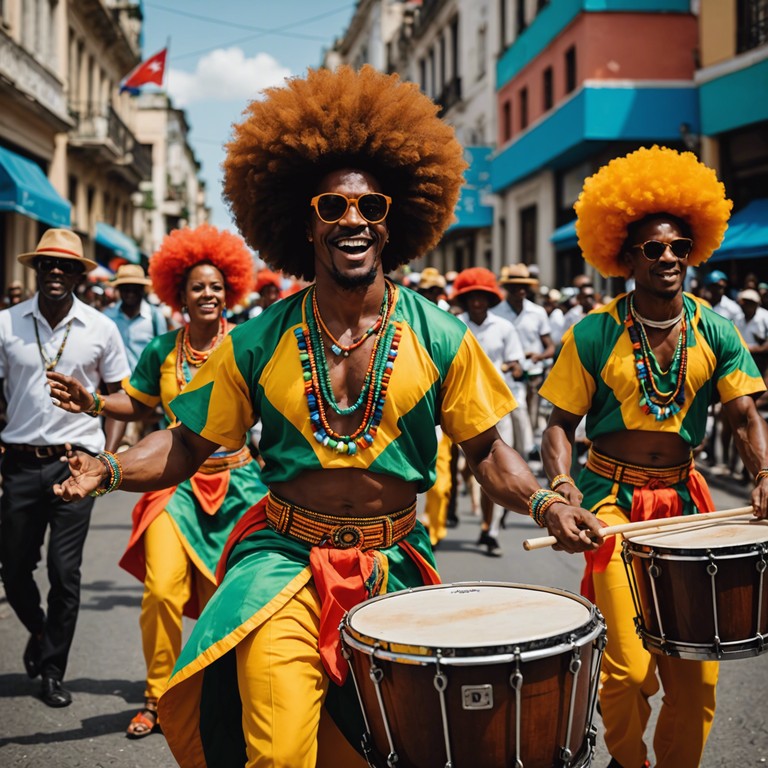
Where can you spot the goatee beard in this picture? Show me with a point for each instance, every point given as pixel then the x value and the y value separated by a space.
pixel 357 282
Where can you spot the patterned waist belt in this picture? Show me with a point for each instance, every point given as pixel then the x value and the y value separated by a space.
pixel 218 462
pixel 339 532
pixel 634 474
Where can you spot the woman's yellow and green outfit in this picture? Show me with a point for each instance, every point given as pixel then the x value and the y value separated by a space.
pixel 178 533
pixel 596 376
pixel 249 686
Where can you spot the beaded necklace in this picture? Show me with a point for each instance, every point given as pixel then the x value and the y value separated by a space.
pixel 373 394
pixel 186 355
pixel 662 405
pixel 50 363
pixel 336 346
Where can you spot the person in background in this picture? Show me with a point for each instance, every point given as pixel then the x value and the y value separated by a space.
pixel 535 333
pixel 268 285
pixel 14 294
pixel 52 331
pixel 179 532
pixel 643 370
pixel 716 293
pixel 476 291
pixel 551 304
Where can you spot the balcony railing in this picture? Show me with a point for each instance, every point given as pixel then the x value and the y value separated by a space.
pixel 752 29
pixel 100 127
pixel 450 95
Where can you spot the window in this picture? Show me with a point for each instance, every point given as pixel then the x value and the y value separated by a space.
pixel 523 108
pixel 502 25
pixel 423 74
pixel 506 119
pixel 482 51
pixel 432 75
pixel 548 89
pixel 570 70
pixel 752 21
pixel 503 239
pixel 520 24
pixel 443 75
pixel 528 221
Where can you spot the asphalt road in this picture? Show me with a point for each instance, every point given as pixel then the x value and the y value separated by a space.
pixel 106 669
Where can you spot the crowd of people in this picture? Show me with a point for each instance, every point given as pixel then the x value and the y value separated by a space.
pixel 371 384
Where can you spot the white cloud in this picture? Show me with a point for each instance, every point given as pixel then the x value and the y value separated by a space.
pixel 225 75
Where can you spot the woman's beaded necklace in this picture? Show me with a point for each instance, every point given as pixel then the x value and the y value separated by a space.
pixel 317 381
pixel 662 405
pixel 187 355
pixel 50 363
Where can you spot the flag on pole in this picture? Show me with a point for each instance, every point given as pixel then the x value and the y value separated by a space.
pixel 150 71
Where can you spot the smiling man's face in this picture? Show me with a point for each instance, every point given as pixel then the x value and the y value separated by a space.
pixel 349 250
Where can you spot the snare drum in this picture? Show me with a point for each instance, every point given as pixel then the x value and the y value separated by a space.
pixel 476 675
pixel 701 593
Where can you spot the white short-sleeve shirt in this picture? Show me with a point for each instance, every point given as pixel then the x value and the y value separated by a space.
pixel 754 331
pixel 93 352
pixel 532 323
pixel 499 340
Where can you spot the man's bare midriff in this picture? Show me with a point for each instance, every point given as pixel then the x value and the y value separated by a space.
pixel 347 492
pixel 650 449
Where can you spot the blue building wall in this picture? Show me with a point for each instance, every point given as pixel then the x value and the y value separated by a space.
pixel 569 134
pixel 556 16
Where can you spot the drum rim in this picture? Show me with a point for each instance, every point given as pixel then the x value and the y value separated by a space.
pixel 695 553
pixel 488 654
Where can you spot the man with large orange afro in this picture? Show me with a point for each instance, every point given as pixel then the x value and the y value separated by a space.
pixel 338 177
pixel 643 370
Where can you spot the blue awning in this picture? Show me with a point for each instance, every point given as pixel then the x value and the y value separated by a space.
pixel 747 233
pixel 25 189
pixel 118 242
pixel 564 237
pixel 472 210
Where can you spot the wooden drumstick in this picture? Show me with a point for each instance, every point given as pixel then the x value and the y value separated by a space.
pixel 638 527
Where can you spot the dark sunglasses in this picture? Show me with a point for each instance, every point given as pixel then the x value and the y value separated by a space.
pixel 653 250
pixel 67 266
pixel 332 206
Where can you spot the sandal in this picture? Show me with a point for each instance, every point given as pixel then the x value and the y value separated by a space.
pixel 144 721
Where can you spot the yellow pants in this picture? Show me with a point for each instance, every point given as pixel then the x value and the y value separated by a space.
pixel 630 676
pixel 167 588
pixel 282 688
pixel 437 497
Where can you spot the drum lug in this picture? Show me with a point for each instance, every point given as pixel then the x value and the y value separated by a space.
pixel 712 567
pixel 626 555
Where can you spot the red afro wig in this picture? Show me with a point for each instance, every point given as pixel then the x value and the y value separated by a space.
pixel 183 249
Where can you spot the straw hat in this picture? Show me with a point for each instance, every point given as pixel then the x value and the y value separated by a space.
pixel 431 278
pixel 130 274
pixel 517 274
pixel 477 279
pixel 58 244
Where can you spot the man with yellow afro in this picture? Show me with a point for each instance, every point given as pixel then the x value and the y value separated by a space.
pixel 643 370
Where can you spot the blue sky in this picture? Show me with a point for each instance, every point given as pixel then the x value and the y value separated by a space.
pixel 223 53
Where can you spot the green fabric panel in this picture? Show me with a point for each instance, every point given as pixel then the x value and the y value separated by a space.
pixel 259 567
pixel 191 408
pixel 146 376
pixel 207 534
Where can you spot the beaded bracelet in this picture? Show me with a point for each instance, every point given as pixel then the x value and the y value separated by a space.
pixel 761 474
pixel 98 404
pixel 540 501
pixel 559 480
pixel 115 469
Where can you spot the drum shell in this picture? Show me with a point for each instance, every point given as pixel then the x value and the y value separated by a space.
pixel 684 592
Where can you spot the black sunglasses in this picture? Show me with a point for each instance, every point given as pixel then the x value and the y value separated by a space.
pixel 333 206
pixel 653 250
pixel 67 266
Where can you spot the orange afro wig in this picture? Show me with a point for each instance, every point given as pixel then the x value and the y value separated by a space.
pixel 182 249
pixel 328 121
pixel 648 181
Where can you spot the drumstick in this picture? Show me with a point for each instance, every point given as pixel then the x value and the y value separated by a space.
pixel 680 520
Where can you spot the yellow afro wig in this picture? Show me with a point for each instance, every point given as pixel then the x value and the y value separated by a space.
pixel 648 181
pixel 329 121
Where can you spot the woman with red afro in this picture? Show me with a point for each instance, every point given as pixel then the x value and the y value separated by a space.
pixel 179 532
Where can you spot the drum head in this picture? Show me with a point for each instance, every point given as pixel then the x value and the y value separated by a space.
pixel 707 535
pixel 470 615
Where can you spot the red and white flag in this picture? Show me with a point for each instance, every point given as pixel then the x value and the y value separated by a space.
pixel 150 71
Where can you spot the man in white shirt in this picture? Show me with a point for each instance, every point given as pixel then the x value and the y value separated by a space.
pixel 476 291
pixel 51 331
pixel 716 291
pixel 533 328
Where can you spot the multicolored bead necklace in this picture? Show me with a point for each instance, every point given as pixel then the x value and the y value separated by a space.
pixel 187 355
pixel 336 346
pixel 317 381
pixel 662 405
pixel 50 363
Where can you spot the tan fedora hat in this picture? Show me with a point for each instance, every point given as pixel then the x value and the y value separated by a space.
pixel 517 274
pixel 130 274
pixel 59 244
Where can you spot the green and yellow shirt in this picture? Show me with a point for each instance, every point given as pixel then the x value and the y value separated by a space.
pixel 595 375
pixel 441 376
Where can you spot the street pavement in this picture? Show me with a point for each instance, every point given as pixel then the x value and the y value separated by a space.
pixel 106 668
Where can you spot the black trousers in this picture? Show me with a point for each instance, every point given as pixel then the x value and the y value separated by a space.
pixel 28 507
